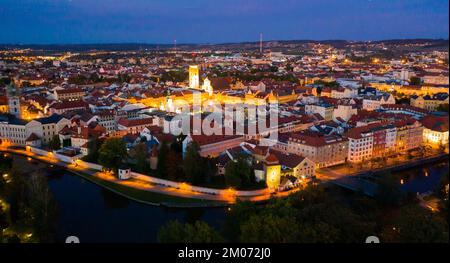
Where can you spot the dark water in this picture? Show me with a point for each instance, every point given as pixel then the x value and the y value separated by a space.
pixel 423 179
pixel 94 214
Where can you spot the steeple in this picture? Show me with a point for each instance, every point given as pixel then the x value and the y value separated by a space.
pixel 13 94
pixel 207 86
pixel 194 77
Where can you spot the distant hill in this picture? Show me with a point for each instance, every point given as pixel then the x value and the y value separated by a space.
pixel 431 43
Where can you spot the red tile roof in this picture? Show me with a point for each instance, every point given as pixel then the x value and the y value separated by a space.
pixel 316 139
pixel 69 105
pixel 135 122
pixel 288 159
pixel 32 137
pixel 436 123
pixel 69 91
pixel 210 139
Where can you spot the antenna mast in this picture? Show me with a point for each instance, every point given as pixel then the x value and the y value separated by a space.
pixel 260 43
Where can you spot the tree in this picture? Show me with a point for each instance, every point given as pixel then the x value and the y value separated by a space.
pixel 139 152
pixel 198 232
pixel 317 232
pixel 443 107
pixel 93 150
pixel 124 78
pixel 55 143
pixel 162 160
pixel 388 192
pixel 177 145
pixel 238 173
pixel 269 228
pixel 237 214
pixel 309 196
pixel 414 224
pixel 3 220
pixel 348 226
pixel 192 164
pixel 14 193
pixel 173 168
pixel 112 152
pixel 415 81
pixel 42 207
pixel 442 193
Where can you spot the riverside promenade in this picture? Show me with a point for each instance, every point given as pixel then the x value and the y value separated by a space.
pixel 148 189
pixel 155 191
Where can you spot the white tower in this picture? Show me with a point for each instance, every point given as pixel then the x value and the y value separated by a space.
pixel 13 100
pixel 194 78
pixel 207 86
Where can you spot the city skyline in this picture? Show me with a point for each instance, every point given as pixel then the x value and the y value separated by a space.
pixel 110 21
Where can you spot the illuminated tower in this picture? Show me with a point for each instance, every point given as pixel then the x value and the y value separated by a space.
pixel 194 79
pixel 13 100
pixel 207 87
pixel 261 43
pixel 169 104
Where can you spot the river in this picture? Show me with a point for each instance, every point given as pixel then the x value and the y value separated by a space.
pixel 94 214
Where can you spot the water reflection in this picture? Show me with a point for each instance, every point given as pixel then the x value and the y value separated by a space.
pixel 95 214
pixel 114 201
pixel 422 180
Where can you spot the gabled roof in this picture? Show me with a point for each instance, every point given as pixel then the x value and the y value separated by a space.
pixel 272 159
pixel 32 137
pixel 289 160
pixel 135 122
pixel 54 118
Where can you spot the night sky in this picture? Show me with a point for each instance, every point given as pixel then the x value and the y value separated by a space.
pixel 218 21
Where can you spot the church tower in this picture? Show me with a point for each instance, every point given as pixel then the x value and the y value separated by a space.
pixel 207 86
pixel 13 95
pixel 194 77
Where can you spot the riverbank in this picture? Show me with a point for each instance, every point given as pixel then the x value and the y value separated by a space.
pixel 94 214
pixel 135 192
pixel 142 189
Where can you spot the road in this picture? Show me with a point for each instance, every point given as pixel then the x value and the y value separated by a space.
pixel 143 185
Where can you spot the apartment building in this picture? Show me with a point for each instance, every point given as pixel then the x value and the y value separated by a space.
pixel 17 131
pixel 409 134
pixel 323 109
pixel 134 126
pixel 435 132
pixel 323 150
pixel 374 102
pixel 370 141
pixel 429 102
pixel 70 94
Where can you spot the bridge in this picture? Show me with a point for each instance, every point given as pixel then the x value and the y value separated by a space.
pixel 366 181
pixel 360 183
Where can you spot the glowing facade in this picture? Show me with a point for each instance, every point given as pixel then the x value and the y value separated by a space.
pixel 194 77
pixel 207 87
pixel 272 169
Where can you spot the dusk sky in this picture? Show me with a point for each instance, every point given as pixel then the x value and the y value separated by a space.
pixel 218 21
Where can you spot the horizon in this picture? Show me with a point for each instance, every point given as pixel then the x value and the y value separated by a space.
pixel 67 22
pixel 224 43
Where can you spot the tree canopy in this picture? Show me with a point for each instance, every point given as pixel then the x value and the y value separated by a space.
pixel 238 173
pixel 112 152
pixel 198 232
